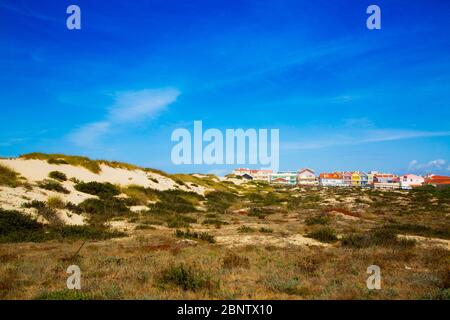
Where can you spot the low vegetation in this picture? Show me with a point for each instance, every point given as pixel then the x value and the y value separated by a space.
pixel 231 261
pixel 52 185
pixel 18 227
pixel 236 242
pixel 195 235
pixel 57 175
pixel 102 190
pixel 376 237
pixel 9 177
pixel 102 210
pixel 186 278
pixel 324 234
pixel 59 159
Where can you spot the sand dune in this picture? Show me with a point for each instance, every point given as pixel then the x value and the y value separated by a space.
pixel 37 170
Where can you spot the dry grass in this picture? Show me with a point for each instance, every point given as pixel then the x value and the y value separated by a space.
pixel 9 177
pixel 154 262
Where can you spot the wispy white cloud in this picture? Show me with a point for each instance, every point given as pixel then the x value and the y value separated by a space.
pixel 433 165
pixel 129 107
pixel 361 136
pixel 134 106
pixel 89 133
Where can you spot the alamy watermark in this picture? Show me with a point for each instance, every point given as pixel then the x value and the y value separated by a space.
pixel 74 280
pixel 374 20
pixel 73 21
pixel 233 146
pixel 374 280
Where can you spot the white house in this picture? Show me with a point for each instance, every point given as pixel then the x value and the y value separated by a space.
pixel 409 181
pixel 261 175
pixel 289 178
pixel 334 179
pixel 306 177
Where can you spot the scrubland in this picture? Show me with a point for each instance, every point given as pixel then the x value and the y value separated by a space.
pixel 211 238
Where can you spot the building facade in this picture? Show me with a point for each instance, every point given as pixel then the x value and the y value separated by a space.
pixel 409 181
pixel 334 179
pixel 287 178
pixel 260 175
pixel 306 177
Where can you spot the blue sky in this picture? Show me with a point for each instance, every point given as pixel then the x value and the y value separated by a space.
pixel 342 96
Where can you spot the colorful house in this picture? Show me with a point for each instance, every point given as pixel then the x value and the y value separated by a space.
pixel 334 179
pixel 347 177
pixel 363 179
pixel 370 177
pixel 288 178
pixel 438 180
pixel 306 177
pixel 356 179
pixel 260 175
pixel 409 181
pixel 386 181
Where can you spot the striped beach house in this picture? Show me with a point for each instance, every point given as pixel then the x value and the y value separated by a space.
pixel 287 178
pixel 334 179
pixel 306 177
pixel 386 181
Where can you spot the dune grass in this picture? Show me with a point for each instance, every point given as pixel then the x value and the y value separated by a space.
pixel 57 158
pixel 9 177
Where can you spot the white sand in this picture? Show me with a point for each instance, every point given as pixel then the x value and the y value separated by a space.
pixel 38 170
pixel 244 240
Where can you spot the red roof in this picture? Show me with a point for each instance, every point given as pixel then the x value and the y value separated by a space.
pixel 334 175
pixel 280 179
pixel 438 180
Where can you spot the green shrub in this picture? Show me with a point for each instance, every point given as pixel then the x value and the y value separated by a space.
pixel 74 180
pixel 375 237
pixel 172 207
pixel 245 229
pixel 420 230
pixel 220 201
pixel 57 175
pixel 185 277
pixel 322 219
pixel 195 235
pixel 179 221
pixel 140 195
pixel 73 207
pixel 180 182
pixel 57 161
pixel 218 223
pixel 9 177
pixel 102 190
pixel 104 207
pixel 18 227
pixel 85 232
pixel 44 210
pixel 323 234
pixel 265 230
pixel 53 186
pixel 175 201
pixel 36 204
pixel 260 212
pixel 55 203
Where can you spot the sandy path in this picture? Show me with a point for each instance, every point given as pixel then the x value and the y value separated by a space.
pixel 244 240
